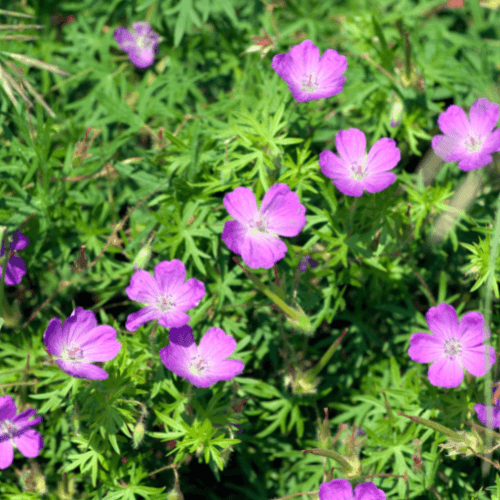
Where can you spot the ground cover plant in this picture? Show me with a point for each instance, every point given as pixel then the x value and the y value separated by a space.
pixel 249 249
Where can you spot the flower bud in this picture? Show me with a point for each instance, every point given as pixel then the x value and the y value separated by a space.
pixel 143 257
pixel 175 494
pixel 397 110
pixel 461 446
pixel 138 434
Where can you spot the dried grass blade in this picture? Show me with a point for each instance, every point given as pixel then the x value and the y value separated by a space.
pixel 31 61
pixel 6 86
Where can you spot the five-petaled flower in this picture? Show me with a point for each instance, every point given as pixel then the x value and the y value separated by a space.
pixel 16 430
pixel 470 142
pixel 308 77
pixel 166 295
pixel 16 268
pixel 356 171
pixel 341 489
pixel 140 43
pixel 202 365
pixel 80 342
pixel 253 234
pixel 453 346
pixel 489 415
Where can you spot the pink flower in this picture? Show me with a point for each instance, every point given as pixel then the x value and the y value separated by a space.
pixel 308 77
pixel 471 143
pixel 341 489
pixel 453 346
pixel 485 412
pixel 80 342
pixel 140 43
pixel 253 234
pixel 166 295
pixel 16 268
pixel 16 430
pixel 202 365
pixel 356 171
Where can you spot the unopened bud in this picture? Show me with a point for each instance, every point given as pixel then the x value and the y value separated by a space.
pixel 396 111
pixel 175 494
pixel 138 434
pixel 470 442
pixel 143 257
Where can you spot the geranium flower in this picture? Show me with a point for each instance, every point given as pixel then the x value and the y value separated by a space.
pixel 308 77
pixel 202 365
pixel 253 234
pixel 341 489
pixel 80 342
pixel 16 430
pixel 166 295
pixel 471 143
pixel 16 268
pixel 305 261
pixel 356 171
pixel 140 43
pixel 484 411
pixel 453 346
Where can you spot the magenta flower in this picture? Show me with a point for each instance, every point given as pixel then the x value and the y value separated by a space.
pixel 140 44
pixel 308 77
pixel 202 365
pixel 253 234
pixel 484 412
pixel 16 430
pixel 166 295
pixel 356 171
pixel 307 261
pixel 80 342
pixel 471 143
pixel 453 346
pixel 16 268
pixel 341 489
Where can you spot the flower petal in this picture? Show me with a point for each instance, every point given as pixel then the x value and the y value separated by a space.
pixel 368 491
pixel 176 358
pixel 170 276
pixel 137 319
pixel 234 236
pixel 474 160
pixel 124 38
pixel 77 326
pixel 351 145
pixel 173 319
pixel 448 148
pixel 478 360
pixel 374 183
pixel 143 288
pixel 226 369
pixel 383 156
pixel 190 294
pixel 6 453
pixel 446 372
pixel 454 122
pixel 443 321
pixel 82 370
pixel 262 250
pixel 100 344
pixel 142 58
pixel 490 418
pixel 332 166
pixel 53 338
pixel 7 408
pixel 282 211
pixel 16 269
pixel 492 143
pixel 336 489
pixel 348 186
pixel 483 116
pixel 241 205
pixel 19 241
pixel 425 348
pixel 182 336
pixel 29 443
pixel 473 330
pixel 215 345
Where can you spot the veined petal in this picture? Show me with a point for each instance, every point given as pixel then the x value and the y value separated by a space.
pixel 215 345
pixel 454 122
pixel 241 205
pixel 351 145
pixel 262 250
pixel 478 360
pixel 473 330
pixel 170 276
pixel 383 156
pixel 443 321
pixel 425 348
pixel 234 236
pixel 446 372
pixel 483 116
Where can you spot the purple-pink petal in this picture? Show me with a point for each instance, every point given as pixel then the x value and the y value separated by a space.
pixel 473 330
pixel 351 145
pixel 139 318
pixel 142 288
pixel 348 186
pixel 216 345
pixel 368 491
pixel 283 213
pixel 82 370
pixel 234 236
pixel 241 205
pixel 52 337
pixel 383 156
pixel 488 415
pixel 190 294
pixel 425 348
pixel 169 276
pixel 454 122
pixel 6 454
pixel 336 489
pixel 29 443
pixel 124 38
pixel 19 241
pixel 483 116
pixel 375 183
pixel 475 160
pixel 173 319
pixel 142 58
pixel 443 321
pixel 492 142
pixel 182 336
pixel 16 269
pixel 261 250
pixel 100 344
pixel 478 360
pixel 446 372
pixel 331 165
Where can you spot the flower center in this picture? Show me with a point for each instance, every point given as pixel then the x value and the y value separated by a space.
pixel 308 85
pixel 198 365
pixel 74 352
pixel 144 42
pixel 259 225
pixel 452 348
pixel 473 143
pixel 7 427
pixel 167 303
pixel 358 171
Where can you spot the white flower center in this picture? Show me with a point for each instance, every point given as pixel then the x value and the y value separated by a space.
pixel 308 85
pixel 8 427
pixel 166 303
pixel 452 348
pixel 73 352
pixel 473 143
pixel 358 171
pixel 259 225
pixel 198 365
